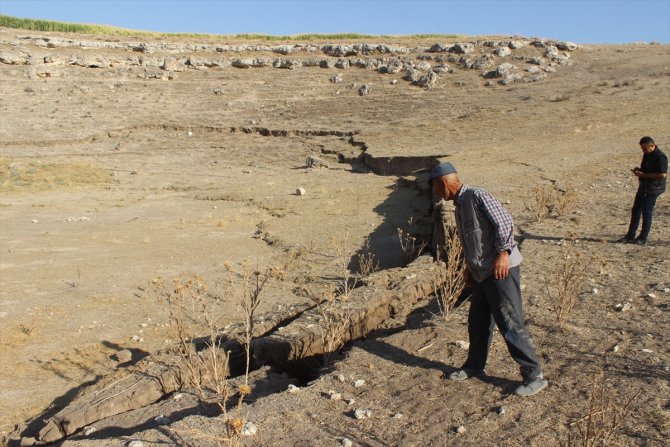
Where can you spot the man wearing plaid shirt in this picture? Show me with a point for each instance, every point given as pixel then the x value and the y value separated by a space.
pixel 486 231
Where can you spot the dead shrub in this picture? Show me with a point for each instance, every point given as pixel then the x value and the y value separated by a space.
pixel 603 419
pixel 188 306
pixel 566 283
pixel 450 280
pixel 551 201
pixel 409 244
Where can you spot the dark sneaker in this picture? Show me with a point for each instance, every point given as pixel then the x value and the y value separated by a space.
pixel 639 241
pixel 626 240
pixel 465 373
pixel 531 387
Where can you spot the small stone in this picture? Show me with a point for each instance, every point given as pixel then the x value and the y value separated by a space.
pixel 394 82
pixel 249 429
pixel 144 325
pixel 500 410
pixel 460 429
pixel 648 351
pixel 346 443
pixel 35 221
pixel 124 356
pixel 300 192
pixel 340 377
pixel 351 402
pixel 190 134
pixel 162 420
pixel 359 383
pixel 178 396
pixel 462 344
pixel 292 388
pixel 666 290
pixel 88 431
pixel 364 90
pixel 134 443
pixel 335 396
pixel 651 295
pixel 615 348
pixel 362 413
pixel 594 290
pixel 398 416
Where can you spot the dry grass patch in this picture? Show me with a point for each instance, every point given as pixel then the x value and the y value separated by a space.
pixel 30 176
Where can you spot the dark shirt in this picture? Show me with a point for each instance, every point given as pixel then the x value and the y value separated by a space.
pixel 654 162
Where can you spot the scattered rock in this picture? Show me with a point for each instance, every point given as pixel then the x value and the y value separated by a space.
pixel 218 91
pixel 398 416
pixel 359 383
pixel 594 290
pixel 462 344
pixel 292 388
pixel 123 356
pixel 623 307
pixel 364 90
pixel 462 48
pixel 346 443
pixel 502 51
pixel 341 377
pixel 134 443
pixel 177 396
pixel 35 221
pixel 300 191
pixel 334 395
pixel 460 429
pixel 337 79
pixel 394 82
pixel 615 348
pixel 362 413
pixel 648 351
pixel 249 429
pixel 500 410
pixel 162 420
pixel 315 162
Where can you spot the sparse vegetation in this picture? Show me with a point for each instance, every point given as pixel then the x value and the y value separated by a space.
pixel 63 27
pixel 550 200
pixel 603 419
pixel 38 176
pixel 409 244
pixel 187 304
pixel 451 279
pixel 566 282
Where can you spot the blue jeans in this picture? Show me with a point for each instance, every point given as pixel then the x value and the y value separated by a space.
pixel 498 302
pixel 643 206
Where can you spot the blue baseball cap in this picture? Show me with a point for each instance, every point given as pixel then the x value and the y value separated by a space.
pixel 442 169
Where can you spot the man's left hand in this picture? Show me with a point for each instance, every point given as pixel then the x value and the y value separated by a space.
pixel 501 265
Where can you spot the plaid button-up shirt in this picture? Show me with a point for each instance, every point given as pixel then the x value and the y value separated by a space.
pixel 487 206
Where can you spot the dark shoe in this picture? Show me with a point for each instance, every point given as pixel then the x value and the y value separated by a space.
pixel 466 373
pixel 530 387
pixel 626 240
pixel 640 241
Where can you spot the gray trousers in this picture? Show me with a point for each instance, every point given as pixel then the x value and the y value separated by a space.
pixel 498 302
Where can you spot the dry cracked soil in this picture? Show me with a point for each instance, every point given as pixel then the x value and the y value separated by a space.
pixel 124 160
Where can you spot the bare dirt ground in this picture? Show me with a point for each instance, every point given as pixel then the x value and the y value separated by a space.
pixel 113 175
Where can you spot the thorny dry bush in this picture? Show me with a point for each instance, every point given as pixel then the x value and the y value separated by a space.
pixel 335 316
pixel 450 280
pixel 603 419
pixel 566 283
pixel 409 244
pixel 189 308
pixel 187 304
pixel 551 201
